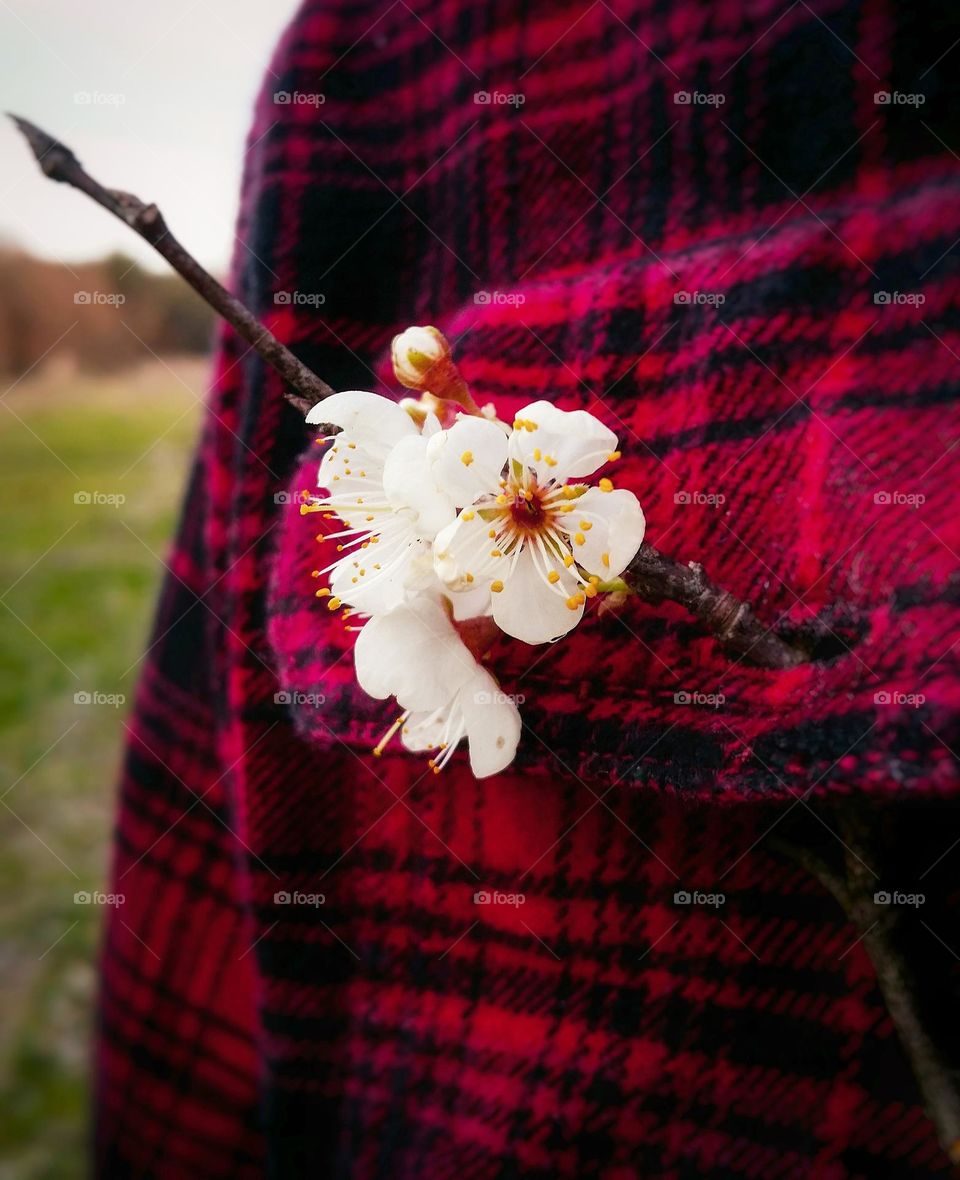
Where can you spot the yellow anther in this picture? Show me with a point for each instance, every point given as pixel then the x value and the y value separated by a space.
pixel 579 539
pixel 314 573
pixel 466 458
pixel 496 586
pixel 605 558
pixel 352 446
pixel 568 560
pixel 613 456
pixel 536 454
pixel 323 593
pixel 495 553
pixel 606 485
pixel 553 577
pixel 502 499
pixel 469 576
pixel 573 601
pixel 590 590
pixel 568 492
pixel 549 460
pixel 334 604
pixel 469 514
pixel 586 525
pixel 491 532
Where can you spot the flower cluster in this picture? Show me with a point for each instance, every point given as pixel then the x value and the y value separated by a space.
pixel 455 525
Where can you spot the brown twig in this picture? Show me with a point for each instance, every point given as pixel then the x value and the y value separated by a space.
pixel 880 929
pixel 653 576
pixel 59 163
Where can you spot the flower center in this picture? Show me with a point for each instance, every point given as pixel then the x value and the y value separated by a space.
pixel 527 509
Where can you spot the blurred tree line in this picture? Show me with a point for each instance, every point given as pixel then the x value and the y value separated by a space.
pixel 112 301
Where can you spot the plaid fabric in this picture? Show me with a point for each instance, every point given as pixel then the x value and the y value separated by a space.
pixel 711 279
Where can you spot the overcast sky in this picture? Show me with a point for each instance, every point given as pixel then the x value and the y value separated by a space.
pixel 170 85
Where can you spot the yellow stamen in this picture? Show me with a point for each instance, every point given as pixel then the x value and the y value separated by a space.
pixel 334 604
pixel 586 525
pixel 497 586
pixel 466 458
pixel 613 456
pixel 495 553
pixel 606 485
pixel 579 539
pixel 468 515
pixel 573 601
pixel 553 577
pixel 605 558
pixel 323 593
pixel 568 560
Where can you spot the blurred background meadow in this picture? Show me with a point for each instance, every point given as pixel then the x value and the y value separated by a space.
pixel 104 360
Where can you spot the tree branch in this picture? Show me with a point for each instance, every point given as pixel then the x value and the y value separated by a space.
pixel 59 163
pixel 652 576
pixel 880 929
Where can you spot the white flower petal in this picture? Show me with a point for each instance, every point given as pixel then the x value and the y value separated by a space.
pixel 463 553
pixel 570 443
pixel 530 608
pixel 414 654
pixel 616 530
pixel 468 459
pixel 492 722
pixel 364 416
pixel 409 483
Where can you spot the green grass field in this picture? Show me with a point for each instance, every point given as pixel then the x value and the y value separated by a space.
pixel 78 583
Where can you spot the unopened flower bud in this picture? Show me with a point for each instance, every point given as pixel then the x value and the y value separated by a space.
pixel 422 360
pixel 419 357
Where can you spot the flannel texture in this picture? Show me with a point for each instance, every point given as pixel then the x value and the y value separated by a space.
pixel 729 231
